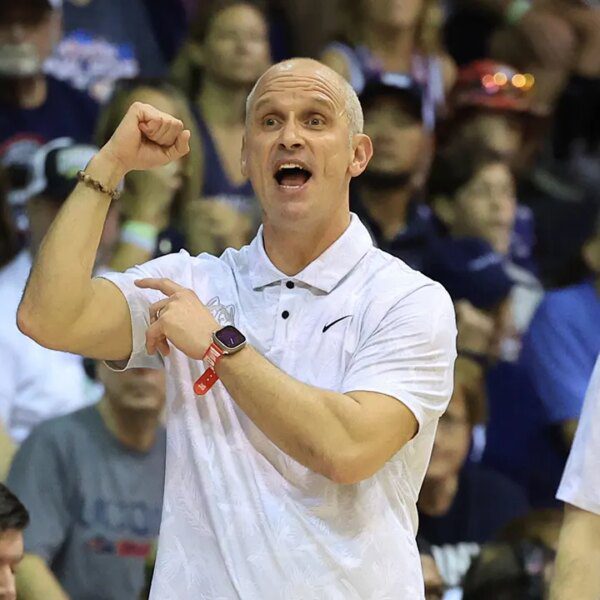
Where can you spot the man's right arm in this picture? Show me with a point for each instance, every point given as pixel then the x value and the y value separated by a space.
pixel 576 573
pixel 63 307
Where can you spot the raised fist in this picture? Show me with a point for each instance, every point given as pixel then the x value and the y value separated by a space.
pixel 147 138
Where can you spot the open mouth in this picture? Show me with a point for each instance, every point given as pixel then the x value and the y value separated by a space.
pixel 292 175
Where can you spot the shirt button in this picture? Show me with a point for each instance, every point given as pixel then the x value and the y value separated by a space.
pixel 285 314
pixel 290 285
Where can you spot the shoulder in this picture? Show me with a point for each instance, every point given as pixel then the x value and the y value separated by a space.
pixel 562 302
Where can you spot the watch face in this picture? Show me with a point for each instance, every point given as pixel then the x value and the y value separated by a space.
pixel 230 337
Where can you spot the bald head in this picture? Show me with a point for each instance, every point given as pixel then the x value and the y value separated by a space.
pixel 307 67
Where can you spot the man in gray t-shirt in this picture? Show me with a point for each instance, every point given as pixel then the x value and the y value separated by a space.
pixel 93 483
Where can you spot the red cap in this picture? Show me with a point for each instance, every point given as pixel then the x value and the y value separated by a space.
pixel 492 85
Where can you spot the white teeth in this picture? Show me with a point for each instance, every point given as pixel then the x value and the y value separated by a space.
pixel 290 166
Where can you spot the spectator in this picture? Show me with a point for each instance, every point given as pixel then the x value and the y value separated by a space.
pixel 558 355
pixel 462 505
pixel 108 40
pixel 93 481
pixel 537 526
pixel 13 520
pixel 227 51
pixel 576 574
pixel 35 108
pixel 551 39
pixel 157 205
pixel 385 197
pixel 394 37
pixel 505 571
pixel 37 383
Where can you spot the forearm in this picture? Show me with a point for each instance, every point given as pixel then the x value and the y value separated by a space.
pixel 35 581
pixel 7 451
pixel 576 573
pixel 60 282
pixel 318 428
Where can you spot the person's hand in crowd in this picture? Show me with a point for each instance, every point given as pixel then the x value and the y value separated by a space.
pixel 146 138
pixel 476 330
pixel 149 195
pixel 180 319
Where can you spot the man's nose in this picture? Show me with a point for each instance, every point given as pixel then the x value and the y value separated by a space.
pixel 290 137
pixel 16 33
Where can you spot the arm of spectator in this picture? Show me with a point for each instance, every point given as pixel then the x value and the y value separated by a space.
pixel 7 451
pixel 576 573
pixel 63 307
pixel 557 368
pixel 35 581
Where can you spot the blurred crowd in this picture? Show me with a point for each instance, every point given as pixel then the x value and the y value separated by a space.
pixel 485 120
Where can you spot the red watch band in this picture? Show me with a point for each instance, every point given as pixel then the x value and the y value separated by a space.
pixel 203 384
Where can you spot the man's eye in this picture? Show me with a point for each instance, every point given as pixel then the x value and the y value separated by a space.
pixel 269 122
pixel 315 121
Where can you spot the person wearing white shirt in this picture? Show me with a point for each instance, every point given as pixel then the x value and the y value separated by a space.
pixel 576 573
pixel 297 450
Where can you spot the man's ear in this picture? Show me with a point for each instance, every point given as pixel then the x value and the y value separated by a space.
pixel 243 158
pixel 363 151
pixel 591 254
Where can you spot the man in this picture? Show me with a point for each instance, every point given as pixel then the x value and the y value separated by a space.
pixel 37 383
pixel 93 482
pixel 34 107
pixel 297 474
pixel 386 194
pixel 13 520
pixel 576 574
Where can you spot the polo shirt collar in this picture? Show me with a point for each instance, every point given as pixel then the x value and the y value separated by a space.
pixel 326 271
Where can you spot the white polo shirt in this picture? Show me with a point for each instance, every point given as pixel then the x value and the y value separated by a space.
pixel 241 519
pixel 580 484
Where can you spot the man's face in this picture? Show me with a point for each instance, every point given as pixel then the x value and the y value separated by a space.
pixel 452 439
pixel 298 152
pixel 11 553
pixel 398 136
pixel 27 40
pixel 501 132
pixel 236 49
pixel 134 389
pixel 392 13
pixel 486 207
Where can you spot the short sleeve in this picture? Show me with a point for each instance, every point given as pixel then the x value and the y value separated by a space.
pixel 580 484
pixel 171 266
pixel 552 356
pixel 8 381
pixel 410 355
pixel 40 479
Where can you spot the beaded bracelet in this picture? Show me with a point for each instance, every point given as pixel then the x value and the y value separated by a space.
pixel 96 185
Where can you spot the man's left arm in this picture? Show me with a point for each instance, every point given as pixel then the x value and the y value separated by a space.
pixel 399 379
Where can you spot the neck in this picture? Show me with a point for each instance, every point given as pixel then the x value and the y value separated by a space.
pixel 293 250
pixel 135 429
pixel 393 47
pixel 27 93
pixel 437 495
pixel 388 208
pixel 222 105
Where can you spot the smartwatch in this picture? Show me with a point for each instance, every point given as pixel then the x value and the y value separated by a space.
pixel 226 341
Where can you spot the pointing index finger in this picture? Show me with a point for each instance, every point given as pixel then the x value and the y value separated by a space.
pixel 164 285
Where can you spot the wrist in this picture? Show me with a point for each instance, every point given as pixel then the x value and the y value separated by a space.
pixel 139 234
pixel 107 169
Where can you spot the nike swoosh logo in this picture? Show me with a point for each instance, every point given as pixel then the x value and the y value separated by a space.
pixel 334 322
